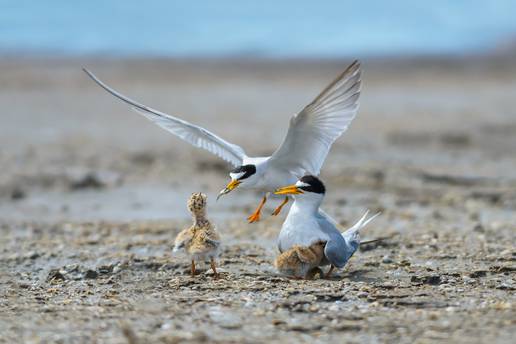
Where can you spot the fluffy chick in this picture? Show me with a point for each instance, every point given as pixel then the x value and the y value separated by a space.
pixel 201 241
pixel 301 262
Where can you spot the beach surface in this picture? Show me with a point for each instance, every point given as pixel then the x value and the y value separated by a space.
pixel 92 196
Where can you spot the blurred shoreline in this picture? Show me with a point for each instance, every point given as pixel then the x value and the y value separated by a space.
pixel 439 116
pixel 500 52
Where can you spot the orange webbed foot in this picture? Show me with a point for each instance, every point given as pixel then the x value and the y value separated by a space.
pixel 278 209
pixel 255 217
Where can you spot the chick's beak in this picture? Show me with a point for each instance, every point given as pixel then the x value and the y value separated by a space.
pixel 232 185
pixel 288 190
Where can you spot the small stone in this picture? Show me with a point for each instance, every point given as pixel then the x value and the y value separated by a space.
pixel 479 228
pixel 225 319
pixel 405 262
pixel 387 260
pixel 106 269
pixel 502 305
pixel 55 275
pixel 18 193
pixel 478 273
pixel 277 322
pixel 313 308
pixel 468 280
pixel 86 181
pixel 93 179
pixel 362 294
pixel 303 326
pixel 90 274
pixel 433 316
pixel 334 308
pixel 346 326
pixel 506 286
pixel 429 279
pixel 32 255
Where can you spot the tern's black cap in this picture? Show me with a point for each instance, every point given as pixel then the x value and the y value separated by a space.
pixel 248 171
pixel 314 184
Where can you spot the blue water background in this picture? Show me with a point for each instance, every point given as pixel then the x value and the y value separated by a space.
pixel 265 28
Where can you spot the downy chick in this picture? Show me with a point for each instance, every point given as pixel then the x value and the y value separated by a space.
pixel 201 241
pixel 301 261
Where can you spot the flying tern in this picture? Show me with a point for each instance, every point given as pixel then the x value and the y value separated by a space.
pixel 310 135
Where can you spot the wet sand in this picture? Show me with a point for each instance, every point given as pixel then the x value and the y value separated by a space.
pixel 92 195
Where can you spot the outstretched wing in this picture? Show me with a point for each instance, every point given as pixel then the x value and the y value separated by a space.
pixel 195 135
pixel 313 130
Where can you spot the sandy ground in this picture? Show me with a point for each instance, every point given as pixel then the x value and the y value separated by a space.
pixel 92 195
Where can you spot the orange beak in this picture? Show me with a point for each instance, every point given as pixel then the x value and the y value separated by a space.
pixel 232 185
pixel 288 190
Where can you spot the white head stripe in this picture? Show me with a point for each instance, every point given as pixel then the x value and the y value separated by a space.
pixel 301 184
pixel 236 175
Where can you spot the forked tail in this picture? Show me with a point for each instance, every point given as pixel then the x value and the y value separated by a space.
pixel 364 221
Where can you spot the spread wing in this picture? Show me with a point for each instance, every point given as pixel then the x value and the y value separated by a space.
pixel 195 135
pixel 313 130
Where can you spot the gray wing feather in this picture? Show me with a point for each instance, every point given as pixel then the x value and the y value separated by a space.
pixel 338 252
pixel 337 249
pixel 195 135
pixel 313 130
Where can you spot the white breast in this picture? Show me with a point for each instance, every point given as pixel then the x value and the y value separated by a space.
pixel 300 229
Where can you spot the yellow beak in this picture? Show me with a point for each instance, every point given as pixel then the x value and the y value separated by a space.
pixel 232 185
pixel 288 190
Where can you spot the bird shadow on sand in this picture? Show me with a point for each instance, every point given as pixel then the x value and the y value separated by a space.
pixel 355 276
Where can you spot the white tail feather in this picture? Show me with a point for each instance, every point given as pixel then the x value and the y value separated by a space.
pixel 371 218
pixel 361 223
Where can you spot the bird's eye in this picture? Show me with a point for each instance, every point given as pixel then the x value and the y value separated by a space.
pixel 243 172
pixel 311 184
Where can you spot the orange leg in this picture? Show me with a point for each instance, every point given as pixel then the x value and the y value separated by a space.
pixel 214 268
pixel 256 215
pixel 192 271
pixel 278 209
pixel 328 274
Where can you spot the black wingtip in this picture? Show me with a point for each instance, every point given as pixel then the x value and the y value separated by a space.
pixel 354 66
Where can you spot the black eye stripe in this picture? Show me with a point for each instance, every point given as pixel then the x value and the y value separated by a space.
pixel 314 184
pixel 248 171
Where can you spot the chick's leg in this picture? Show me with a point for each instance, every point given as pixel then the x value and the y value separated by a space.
pixel 313 272
pixel 192 271
pixel 256 215
pixel 278 209
pixel 214 268
pixel 328 274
